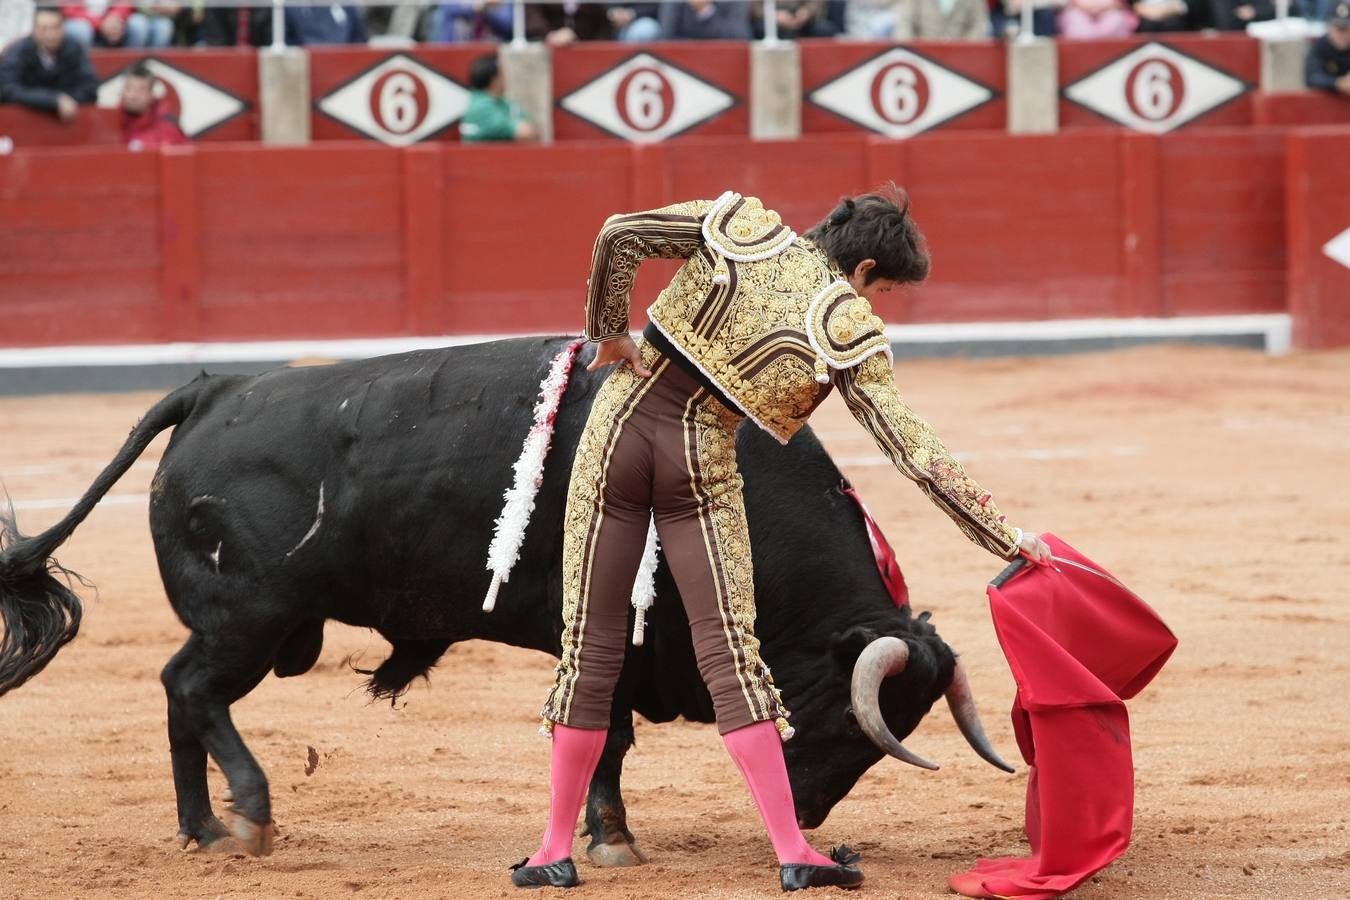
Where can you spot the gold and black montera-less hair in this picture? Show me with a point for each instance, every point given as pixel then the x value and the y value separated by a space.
pixel 874 226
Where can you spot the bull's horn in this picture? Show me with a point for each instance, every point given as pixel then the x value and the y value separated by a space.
pixel 880 659
pixel 962 704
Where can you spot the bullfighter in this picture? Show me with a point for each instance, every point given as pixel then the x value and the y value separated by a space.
pixel 760 323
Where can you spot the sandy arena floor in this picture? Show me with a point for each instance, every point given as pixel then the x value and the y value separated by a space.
pixel 1214 482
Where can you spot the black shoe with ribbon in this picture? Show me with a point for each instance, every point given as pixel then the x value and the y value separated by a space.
pixel 844 873
pixel 561 874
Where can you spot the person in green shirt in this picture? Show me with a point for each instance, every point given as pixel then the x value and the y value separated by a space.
pixel 490 116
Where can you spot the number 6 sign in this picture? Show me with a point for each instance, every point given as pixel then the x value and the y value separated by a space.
pixel 645 99
pixel 900 93
pixel 398 101
pixel 1154 89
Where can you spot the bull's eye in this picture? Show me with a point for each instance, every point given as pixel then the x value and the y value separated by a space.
pixel 851 723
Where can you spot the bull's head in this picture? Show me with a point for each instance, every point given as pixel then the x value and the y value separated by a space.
pixel 857 672
pixel 883 678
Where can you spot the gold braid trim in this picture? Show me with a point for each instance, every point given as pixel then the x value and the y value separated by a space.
pixel 715 479
pixel 920 455
pixel 672 232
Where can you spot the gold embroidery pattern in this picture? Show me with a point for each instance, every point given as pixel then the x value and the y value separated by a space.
pixel 767 379
pixel 585 511
pixel 710 448
pixel 740 228
pixel 842 329
pixel 672 232
pixel 910 442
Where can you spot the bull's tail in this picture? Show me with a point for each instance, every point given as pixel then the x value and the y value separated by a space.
pixel 39 609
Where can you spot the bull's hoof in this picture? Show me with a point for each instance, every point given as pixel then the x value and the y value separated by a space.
pixel 619 853
pixel 211 837
pixel 255 839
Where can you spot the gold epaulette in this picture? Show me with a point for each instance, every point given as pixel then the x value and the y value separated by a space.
pixel 741 229
pixel 842 330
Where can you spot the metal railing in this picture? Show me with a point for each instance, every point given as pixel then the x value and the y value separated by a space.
pixel 1026 31
pixel 518 38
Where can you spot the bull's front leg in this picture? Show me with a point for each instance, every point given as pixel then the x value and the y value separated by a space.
pixel 612 844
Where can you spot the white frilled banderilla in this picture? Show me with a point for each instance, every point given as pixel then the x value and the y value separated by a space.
pixel 509 531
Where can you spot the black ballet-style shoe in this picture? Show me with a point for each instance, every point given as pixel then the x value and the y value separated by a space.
pixel 561 874
pixel 844 873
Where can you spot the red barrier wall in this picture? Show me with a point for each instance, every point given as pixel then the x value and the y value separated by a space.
pixel 31 128
pixel 337 239
pixel 1300 108
pixel 1319 229
pixel 80 247
pixel 318 244
pixel 1222 213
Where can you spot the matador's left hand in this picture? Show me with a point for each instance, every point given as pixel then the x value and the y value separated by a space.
pixel 619 349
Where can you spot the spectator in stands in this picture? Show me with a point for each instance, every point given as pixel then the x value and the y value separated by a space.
pixel 561 24
pixel 152 25
pixel 708 20
pixel 1006 17
pixel 478 20
pixel 490 116
pixel 796 19
pixel 1236 15
pixel 636 23
pixel 1162 15
pixel 218 26
pixel 339 23
pixel 48 70
pixel 871 20
pixel 942 20
pixel 146 121
pixel 1328 64
pixel 1088 19
pixel 98 23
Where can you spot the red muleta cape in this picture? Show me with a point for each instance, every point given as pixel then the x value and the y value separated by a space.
pixel 1079 644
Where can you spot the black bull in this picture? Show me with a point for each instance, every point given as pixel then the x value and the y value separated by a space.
pixel 366 492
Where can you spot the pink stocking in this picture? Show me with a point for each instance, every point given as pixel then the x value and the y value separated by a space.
pixel 758 753
pixel 575 754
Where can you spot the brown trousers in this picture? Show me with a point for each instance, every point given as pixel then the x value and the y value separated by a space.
pixel 662 447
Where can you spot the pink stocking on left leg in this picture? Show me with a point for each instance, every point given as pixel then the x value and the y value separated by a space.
pixel 575 754
pixel 758 753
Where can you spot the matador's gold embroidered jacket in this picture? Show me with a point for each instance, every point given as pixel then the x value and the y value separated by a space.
pixel 772 322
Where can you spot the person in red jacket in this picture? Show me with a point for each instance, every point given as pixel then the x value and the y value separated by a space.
pixel 146 121
pixel 101 23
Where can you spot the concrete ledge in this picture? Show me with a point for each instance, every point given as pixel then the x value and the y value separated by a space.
pixel 1282 62
pixel 1033 86
pixel 528 75
pixel 775 91
pixel 101 369
pixel 1270 333
pixel 283 95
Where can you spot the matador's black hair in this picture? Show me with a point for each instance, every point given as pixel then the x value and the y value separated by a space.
pixel 874 226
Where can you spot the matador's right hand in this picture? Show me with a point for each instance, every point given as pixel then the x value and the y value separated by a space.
pixel 1033 548
pixel 619 349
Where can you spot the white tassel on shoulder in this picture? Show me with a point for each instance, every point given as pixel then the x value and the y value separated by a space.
pixel 509 533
